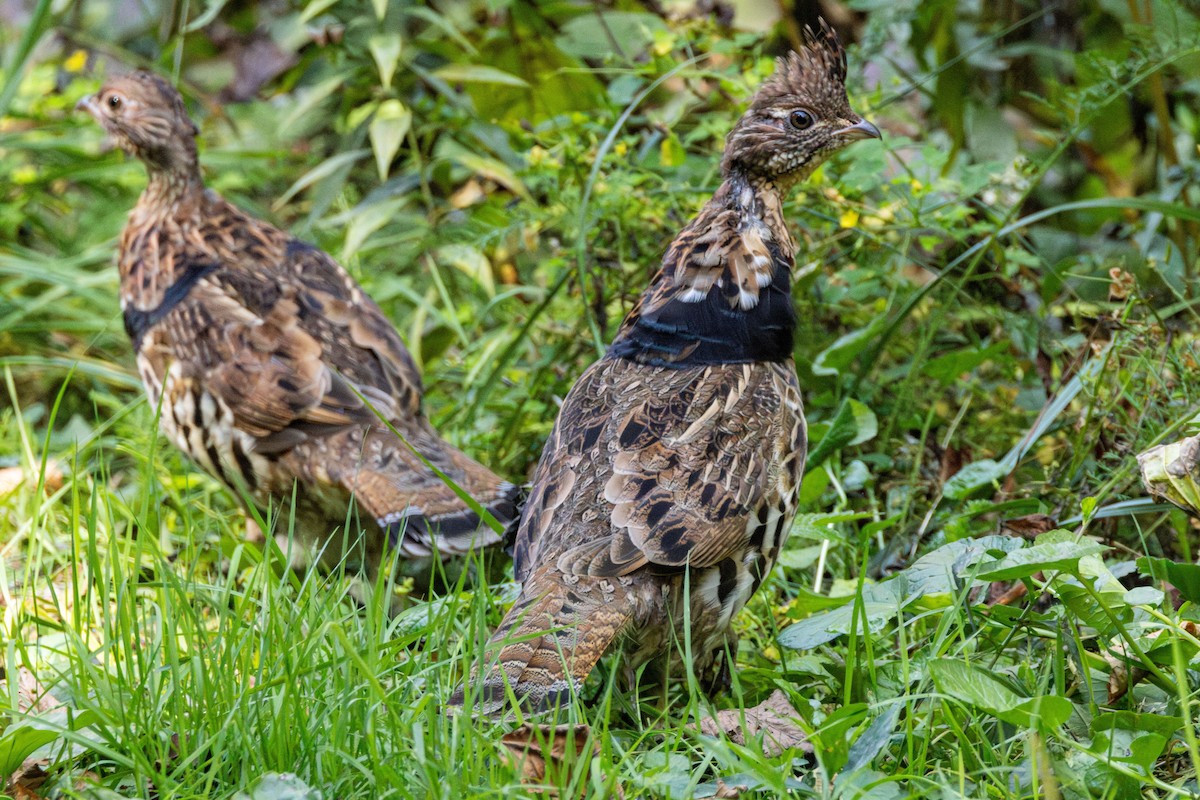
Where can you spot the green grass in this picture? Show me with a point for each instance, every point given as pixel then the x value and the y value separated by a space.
pixel 997 312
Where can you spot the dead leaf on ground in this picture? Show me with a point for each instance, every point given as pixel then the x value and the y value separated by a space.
pixel 1029 526
pixel 13 478
pixel 532 749
pixel 25 782
pixel 727 792
pixel 774 719
pixel 1124 673
pixel 32 697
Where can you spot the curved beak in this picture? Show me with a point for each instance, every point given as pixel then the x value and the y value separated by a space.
pixel 860 130
pixel 88 104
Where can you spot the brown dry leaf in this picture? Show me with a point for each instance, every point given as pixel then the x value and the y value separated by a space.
pixel 1005 594
pixel 1120 678
pixel 1123 284
pixel 773 718
pixel 468 194
pixel 13 478
pixel 1029 526
pixel 32 697
pixel 25 782
pixel 531 749
pixel 727 792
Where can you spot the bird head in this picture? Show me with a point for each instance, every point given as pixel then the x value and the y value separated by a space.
pixel 145 116
pixel 799 116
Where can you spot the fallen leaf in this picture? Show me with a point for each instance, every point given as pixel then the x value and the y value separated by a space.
pixel 1029 526
pixel 13 478
pixel 774 719
pixel 32 697
pixel 533 749
pixel 25 782
pixel 727 792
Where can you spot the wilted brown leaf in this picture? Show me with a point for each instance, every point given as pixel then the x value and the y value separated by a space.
pixel 1029 526
pixel 32 697
pixel 13 478
pixel 773 718
pixel 727 792
pixel 25 782
pixel 1120 677
pixel 532 749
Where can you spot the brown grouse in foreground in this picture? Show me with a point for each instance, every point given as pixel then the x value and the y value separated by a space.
pixel 272 366
pixel 669 482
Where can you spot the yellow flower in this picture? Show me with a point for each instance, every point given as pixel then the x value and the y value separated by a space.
pixel 76 61
pixel 849 218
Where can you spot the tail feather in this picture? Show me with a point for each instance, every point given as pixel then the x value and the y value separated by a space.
pixel 452 528
pixel 547 645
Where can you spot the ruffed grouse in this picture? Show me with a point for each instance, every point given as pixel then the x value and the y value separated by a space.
pixel 273 367
pixel 669 482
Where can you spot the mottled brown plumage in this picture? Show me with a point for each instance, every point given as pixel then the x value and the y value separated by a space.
pixel 271 366
pixel 669 482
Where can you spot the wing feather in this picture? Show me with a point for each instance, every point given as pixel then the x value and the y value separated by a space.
pixel 676 473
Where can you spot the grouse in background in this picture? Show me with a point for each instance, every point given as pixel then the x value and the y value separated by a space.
pixel 272 366
pixel 669 482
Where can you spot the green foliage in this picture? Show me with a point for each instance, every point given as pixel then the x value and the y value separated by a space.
pixel 997 310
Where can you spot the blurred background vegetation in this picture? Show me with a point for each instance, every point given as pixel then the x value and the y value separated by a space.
pixel 997 302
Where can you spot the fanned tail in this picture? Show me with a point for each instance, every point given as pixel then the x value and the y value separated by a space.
pixel 547 644
pixel 418 525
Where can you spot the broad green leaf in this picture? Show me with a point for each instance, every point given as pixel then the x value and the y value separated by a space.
pixel 307 100
pixel 979 688
pixel 832 738
pixel 385 49
pixel 477 73
pixel 323 170
pixel 388 129
pixel 940 571
pixel 872 741
pixel 880 604
pixel 950 367
pixel 1133 721
pixel 592 35
pixel 26 735
pixel 866 425
pixel 470 261
pixel 380 7
pixel 489 168
pixel 1038 558
pixel 816 527
pixel 973 476
pixel 834 435
pixel 1143 596
pixel 934 574
pixel 1098 605
pixel 18 743
pixel 367 220
pixel 841 353
pixel 316 9
pixel 1184 577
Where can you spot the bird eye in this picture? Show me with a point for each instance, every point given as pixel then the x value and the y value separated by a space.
pixel 801 120
pixel 114 101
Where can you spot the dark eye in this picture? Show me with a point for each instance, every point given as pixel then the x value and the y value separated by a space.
pixel 114 101
pixel 801 120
